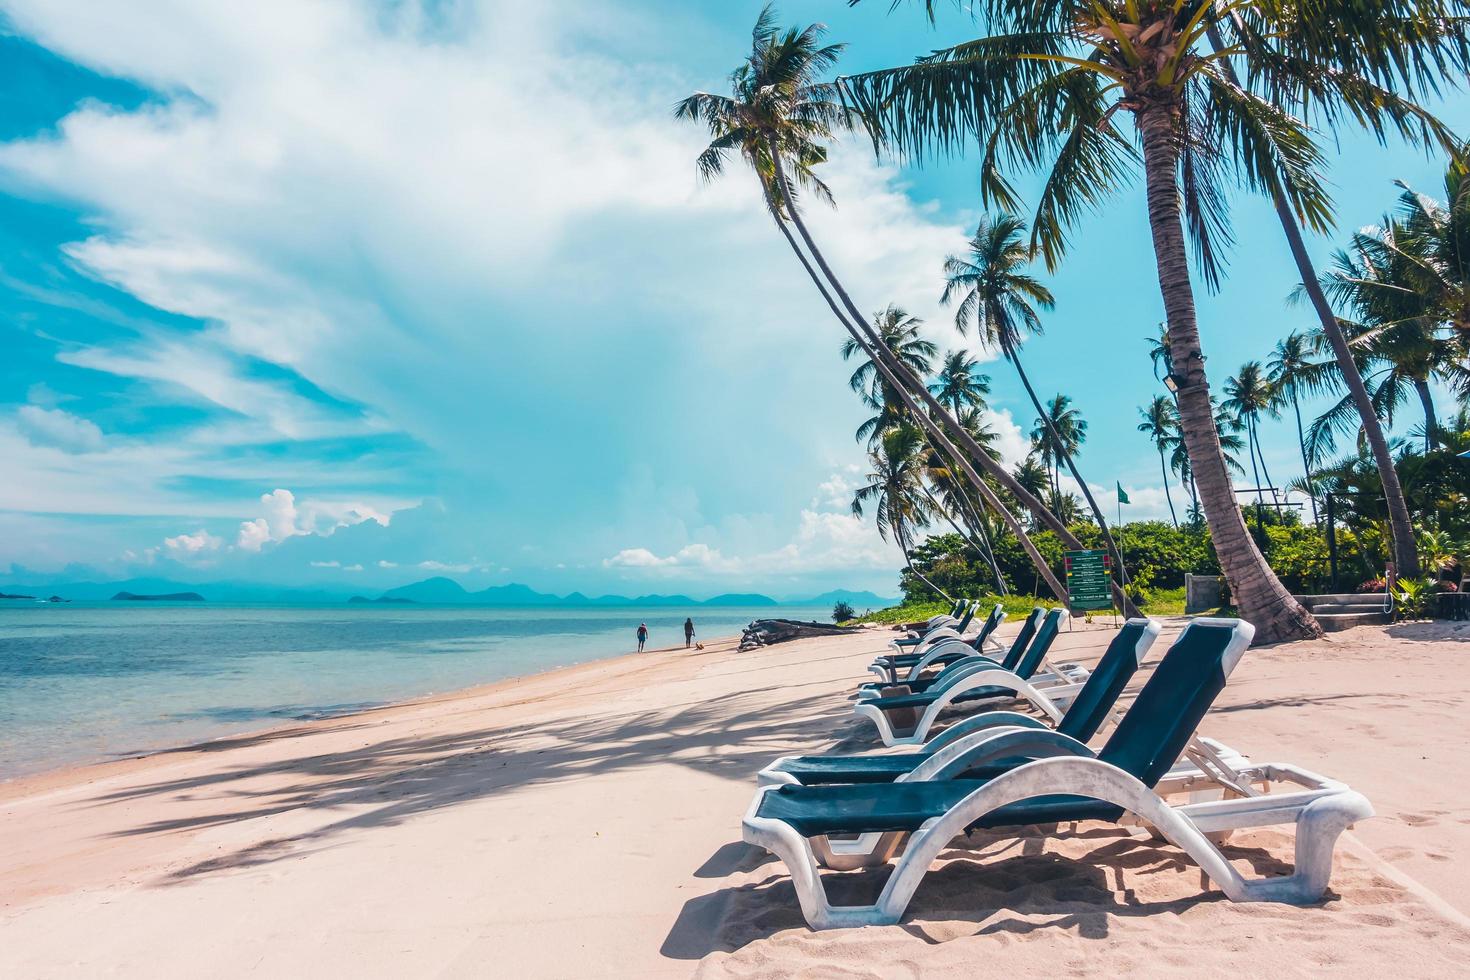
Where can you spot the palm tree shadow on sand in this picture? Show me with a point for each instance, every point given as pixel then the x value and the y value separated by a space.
pixel 392 781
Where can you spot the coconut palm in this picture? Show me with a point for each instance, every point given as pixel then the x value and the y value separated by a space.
pixel 998 298
pixel 1160 422
pixel 1248 396
pixel 1292 372
pixel 1230 446
pixel 1049 88
pixel 1057 435
pixel 1049 85
pixel 895 489
pixel 899 333
pixel 960 385
pixel 1437 235
pixel 778 120
pixel 1398 332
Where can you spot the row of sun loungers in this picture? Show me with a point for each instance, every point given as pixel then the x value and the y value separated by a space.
pixel 999 769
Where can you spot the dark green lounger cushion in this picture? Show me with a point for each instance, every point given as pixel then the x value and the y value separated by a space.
pixel 816 810
pixel 820 771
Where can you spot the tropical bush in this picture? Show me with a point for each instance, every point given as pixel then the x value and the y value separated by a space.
pixel 1413 597
pixel 842 612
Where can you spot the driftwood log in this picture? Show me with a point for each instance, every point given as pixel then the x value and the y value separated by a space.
pixel 764 632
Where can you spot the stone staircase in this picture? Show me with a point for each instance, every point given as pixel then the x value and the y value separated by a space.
pixel 1344 611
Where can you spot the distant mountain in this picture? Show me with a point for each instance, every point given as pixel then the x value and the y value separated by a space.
pixel 217 591
pixel 740 599
pixel 380 600
pixel 437 589
pixel 170 597
pixel 447 590
pixel 858 600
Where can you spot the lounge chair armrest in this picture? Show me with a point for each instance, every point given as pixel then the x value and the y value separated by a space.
pixel 981 722
pixel 982 748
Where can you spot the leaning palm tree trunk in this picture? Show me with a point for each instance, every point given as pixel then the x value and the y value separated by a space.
pixel 1257 592
pixel 875 350
pixel 908 561
pixel 1164 469
pixel 977 521
pixel 1405 550
pixel 1063 456
pixel 1301 439
pixel 893 369
pixel 1426 401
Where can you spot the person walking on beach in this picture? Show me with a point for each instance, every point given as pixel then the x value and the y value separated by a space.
pixel 642 636
pixel 688 632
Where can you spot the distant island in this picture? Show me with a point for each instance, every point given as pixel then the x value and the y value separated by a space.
pixel 430 591
pixel 170 597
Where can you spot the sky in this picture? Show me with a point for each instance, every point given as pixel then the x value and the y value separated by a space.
pixel 354 292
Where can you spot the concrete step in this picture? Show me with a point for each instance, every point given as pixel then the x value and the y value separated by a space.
pixel 1330 608
pixel 1336 622
pixel 1341 598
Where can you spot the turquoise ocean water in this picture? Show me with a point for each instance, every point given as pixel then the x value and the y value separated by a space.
pixel 88 682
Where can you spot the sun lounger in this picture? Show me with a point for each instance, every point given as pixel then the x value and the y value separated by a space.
pixel 941 646
pixel 1125 783
pixel 906 718
pixel 947 625
pixel 953 652
pixel 1081 721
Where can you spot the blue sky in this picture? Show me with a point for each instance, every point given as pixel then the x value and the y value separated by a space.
pixel 357 292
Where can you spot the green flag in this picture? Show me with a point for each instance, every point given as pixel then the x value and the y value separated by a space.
pixel 1122 497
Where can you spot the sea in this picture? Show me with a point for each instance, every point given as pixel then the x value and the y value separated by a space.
pixel 89 682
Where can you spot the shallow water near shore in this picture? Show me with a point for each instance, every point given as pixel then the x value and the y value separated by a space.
pixel 89 682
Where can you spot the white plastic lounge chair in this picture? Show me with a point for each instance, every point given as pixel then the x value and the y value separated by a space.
pixel 1126 783
pixel 1091 707
pixel 914 660
pixel 948 651
pixel 906 718
pixel 956 623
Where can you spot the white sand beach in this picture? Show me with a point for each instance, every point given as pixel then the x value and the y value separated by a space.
pixel 586 822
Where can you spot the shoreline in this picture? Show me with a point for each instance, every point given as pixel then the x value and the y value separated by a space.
pixel 585 821
pixel 92 771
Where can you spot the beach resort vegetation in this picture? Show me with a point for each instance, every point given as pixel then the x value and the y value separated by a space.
pixel 1201 101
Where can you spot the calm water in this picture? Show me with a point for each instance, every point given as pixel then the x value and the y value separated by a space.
pixel 93 681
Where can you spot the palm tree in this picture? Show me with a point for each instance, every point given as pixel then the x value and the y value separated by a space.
pixel 896 486
pixel 1437 235
pixel 1057 434
pixel 960 385
pixel 1230 446
pixel 778 120
pixel 1291 373
pixel 1161 425
pixel 1399 301
pixel 1048 90
pixel 899 333
pixel 1248 396
pixel 1031 94
pixel 999 298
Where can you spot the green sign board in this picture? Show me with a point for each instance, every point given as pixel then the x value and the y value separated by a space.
pixel 1089 580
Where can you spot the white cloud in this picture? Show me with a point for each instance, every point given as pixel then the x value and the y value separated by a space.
pixel 60 429
pixel 366 257
pixel 824 540
pixel 448 566
pixel 637 558
pixel 185 546
pixel 283 518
